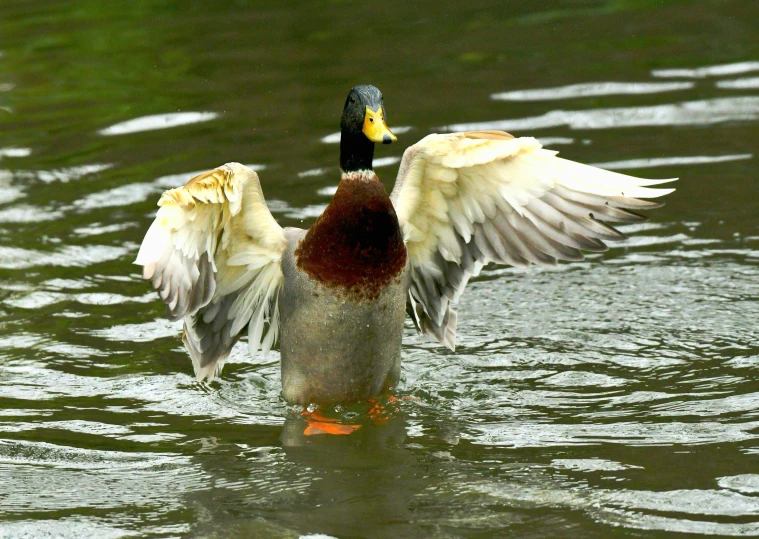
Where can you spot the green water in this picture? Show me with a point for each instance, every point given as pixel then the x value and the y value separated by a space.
pixel 612 397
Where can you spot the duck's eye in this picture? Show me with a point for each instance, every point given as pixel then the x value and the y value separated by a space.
pixel 371 120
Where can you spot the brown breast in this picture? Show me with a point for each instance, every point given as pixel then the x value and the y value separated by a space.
pixel 356 244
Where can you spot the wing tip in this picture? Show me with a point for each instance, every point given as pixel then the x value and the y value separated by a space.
pixel 212 367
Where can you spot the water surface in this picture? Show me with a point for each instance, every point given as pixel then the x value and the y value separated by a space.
pixel 614 396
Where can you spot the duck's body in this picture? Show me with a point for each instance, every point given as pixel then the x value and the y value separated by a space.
pixel 339 292
pixel 343 300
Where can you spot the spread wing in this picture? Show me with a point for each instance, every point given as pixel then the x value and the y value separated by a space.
pixel 213 254
pixel 466 199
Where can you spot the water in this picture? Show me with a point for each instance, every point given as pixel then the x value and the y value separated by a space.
pixel 616 396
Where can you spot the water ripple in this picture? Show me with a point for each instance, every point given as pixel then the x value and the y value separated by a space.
pixel 36 300
pixel 144 332
pixel 24 213
pixel 158 121
pixel 65 175
pixel 67 256
pixel 590 89
pixel 672 161
pixel 745 484
pixel 706 112
pixel 708 71
pixel 84 528
pixel 15 152
pixel 751 83
pixel 9 192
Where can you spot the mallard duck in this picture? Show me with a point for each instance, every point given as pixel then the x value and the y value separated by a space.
pixel 336 295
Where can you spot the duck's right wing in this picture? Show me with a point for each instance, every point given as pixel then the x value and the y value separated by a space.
pixel 214 255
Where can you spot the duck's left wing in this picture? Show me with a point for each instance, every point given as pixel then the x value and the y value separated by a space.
pixel 214 255
pixel 466 199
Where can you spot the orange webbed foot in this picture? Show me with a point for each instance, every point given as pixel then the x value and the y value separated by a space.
pixel 318 423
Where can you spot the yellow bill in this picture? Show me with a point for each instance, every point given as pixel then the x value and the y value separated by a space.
pixel 375 127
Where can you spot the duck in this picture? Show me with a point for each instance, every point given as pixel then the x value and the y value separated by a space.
pixel 335 296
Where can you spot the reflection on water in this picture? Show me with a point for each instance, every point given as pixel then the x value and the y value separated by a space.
pixel 617 393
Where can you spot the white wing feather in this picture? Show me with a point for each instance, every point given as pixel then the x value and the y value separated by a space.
pixel 213 254
pixel 466 199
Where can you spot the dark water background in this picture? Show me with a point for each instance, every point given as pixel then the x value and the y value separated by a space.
pixel 613 397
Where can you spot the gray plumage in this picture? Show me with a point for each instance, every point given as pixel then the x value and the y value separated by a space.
pixel 334 348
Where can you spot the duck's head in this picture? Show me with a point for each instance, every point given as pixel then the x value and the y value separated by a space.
pixel 361 126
